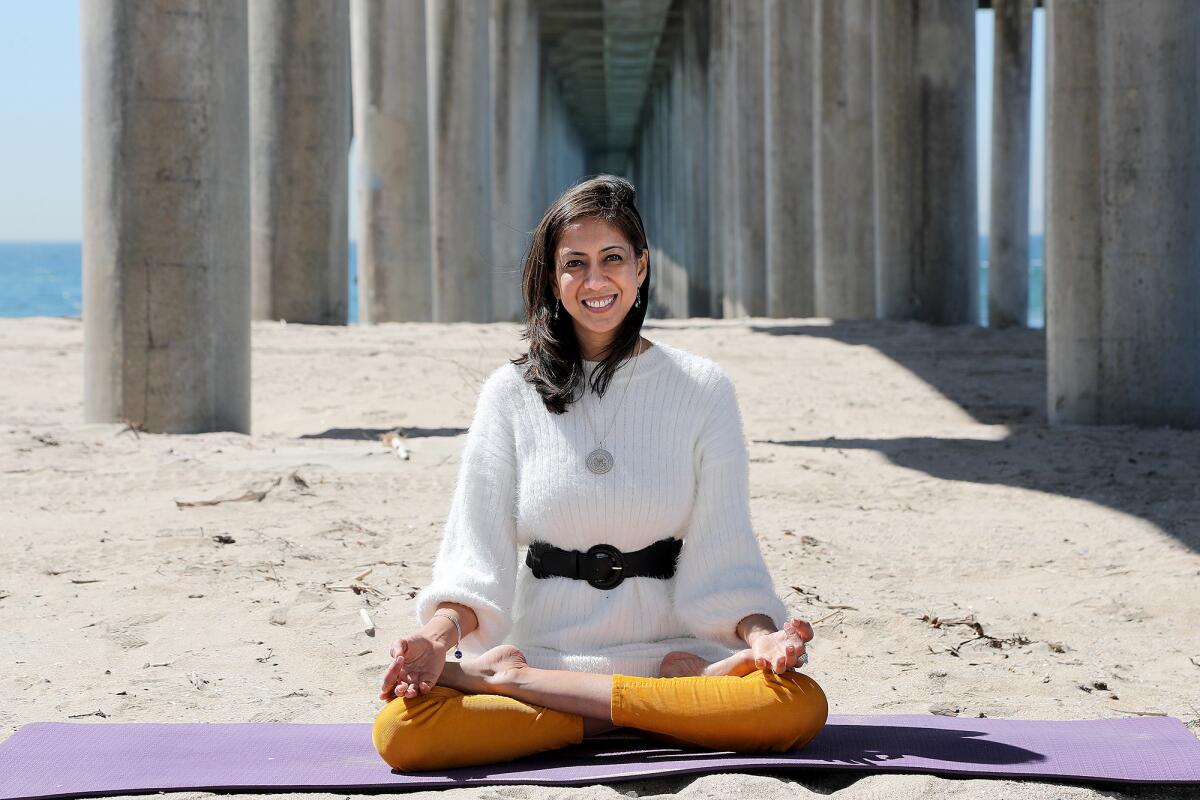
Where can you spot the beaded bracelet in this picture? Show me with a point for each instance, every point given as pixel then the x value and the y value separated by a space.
pixel 457 651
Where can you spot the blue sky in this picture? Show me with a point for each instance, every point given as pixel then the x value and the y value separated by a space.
pixel 40 144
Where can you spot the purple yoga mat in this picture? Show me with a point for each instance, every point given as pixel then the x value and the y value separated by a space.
pixel 55 759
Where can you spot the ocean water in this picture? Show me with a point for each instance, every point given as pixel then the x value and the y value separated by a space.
pixel 43 279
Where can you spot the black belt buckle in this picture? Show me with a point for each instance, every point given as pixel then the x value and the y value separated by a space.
pixel 616 566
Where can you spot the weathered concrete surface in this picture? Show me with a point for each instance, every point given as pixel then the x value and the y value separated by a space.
pixel 788 161
pixel 1008 228
pixel 391 128
pixel 460 175
pixel 515 196
pixel 926 218
pixel 561 160
pixel 1122 200
pixel 719 117
pixel 166 255
pixel 844 269
pixel 299 140
pixel 746 271
pixel 694 63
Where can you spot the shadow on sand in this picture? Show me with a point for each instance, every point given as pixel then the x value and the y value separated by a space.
pixel 999 377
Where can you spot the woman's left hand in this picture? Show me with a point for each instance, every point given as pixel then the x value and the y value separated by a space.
pixel 782 650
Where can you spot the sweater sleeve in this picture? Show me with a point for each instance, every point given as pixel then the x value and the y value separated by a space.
pixel 721 576
pixel 477 562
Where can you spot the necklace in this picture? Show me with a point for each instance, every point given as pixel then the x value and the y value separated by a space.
pixel 600 461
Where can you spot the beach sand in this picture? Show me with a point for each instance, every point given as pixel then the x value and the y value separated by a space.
pixel 903 479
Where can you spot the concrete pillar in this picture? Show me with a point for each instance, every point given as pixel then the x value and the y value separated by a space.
pixel 1123 193
pixel 695 142
pixel 460 159
pixel 299 139
pixel 670 147
pixel 844 269
pixel 515 91
pixel 788 109
pixel 391 124
pixel 926 218
pixel 561 158
pixel 1008 228
pixel 166 252
pixel 719 115
pixel 746 274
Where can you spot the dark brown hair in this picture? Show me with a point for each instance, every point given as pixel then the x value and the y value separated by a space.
pixel 554 362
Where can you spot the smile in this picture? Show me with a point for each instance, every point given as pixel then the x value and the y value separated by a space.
pixel 599 304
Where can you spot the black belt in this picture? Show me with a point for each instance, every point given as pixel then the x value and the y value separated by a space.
pixel 604 566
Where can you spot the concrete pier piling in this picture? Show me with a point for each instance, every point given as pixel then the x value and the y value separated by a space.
pixel 720 120
pixel 460 160
pixel 561 159
pixel 694 63
pixel 299 140
pixel 391 129
pixel 746 270
pixel 166 254
pixel 844 268
pixel 926 225
pixel 788 160
pixel 1122 200
pixel 1008 228
pixel 515 195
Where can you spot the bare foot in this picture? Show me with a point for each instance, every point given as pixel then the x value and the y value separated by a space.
pixel 479 675
pixel 686 665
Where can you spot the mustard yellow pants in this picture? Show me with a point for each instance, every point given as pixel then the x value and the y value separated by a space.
pixel 755 713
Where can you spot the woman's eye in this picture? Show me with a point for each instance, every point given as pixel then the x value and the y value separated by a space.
pixel 573 263
pixel 616 256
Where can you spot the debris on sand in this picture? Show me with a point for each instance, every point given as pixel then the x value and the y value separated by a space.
pixel 1016 640
pixel 394 441
pixel 249 496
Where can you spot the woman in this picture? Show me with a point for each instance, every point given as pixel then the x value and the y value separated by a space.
pixel 598 565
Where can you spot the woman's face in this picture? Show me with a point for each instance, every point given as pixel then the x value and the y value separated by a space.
pixel 596 276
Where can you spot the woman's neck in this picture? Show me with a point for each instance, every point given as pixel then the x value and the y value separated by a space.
pixel 596 352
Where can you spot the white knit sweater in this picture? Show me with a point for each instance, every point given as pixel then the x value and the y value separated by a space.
pixel 681 470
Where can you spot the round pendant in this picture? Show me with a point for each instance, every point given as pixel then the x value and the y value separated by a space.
pixel 599 461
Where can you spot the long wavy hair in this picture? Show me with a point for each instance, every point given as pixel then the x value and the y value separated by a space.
pixel 554 362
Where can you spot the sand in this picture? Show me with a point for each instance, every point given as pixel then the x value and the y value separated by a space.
pixel 903 479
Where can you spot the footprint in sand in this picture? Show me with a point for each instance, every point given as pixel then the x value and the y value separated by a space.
pixel 124 632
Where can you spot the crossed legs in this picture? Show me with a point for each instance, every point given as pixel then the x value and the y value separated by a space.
pixel 497 708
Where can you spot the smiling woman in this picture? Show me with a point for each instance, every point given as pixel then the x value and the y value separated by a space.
pixel 587 287
pixel 598 567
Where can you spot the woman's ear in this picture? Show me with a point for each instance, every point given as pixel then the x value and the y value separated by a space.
pixel 643 265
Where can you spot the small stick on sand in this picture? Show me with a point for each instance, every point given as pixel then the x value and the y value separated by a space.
pixel 368 625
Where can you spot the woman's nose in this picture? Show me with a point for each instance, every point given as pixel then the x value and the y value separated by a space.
pixel 595 276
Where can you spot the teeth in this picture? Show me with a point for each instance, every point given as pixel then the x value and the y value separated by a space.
pixel 599 303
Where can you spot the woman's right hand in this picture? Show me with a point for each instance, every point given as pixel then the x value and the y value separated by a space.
pixel 417 663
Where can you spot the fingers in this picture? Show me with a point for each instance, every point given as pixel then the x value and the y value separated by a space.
pixel 802 629
pixel 391 678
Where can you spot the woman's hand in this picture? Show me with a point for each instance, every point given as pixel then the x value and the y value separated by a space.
pixel 781 650
pixel 417 663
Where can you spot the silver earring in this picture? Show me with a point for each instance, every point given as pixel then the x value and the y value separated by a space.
pixel 637 300
pixel 556 308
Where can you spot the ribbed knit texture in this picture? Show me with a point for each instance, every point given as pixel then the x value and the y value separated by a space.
pixel 681 470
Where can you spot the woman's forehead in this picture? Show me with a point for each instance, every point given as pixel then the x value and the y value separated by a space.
pixel 590 234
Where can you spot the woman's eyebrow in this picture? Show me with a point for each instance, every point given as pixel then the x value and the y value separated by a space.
pixel 575 252
pixel 602 249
